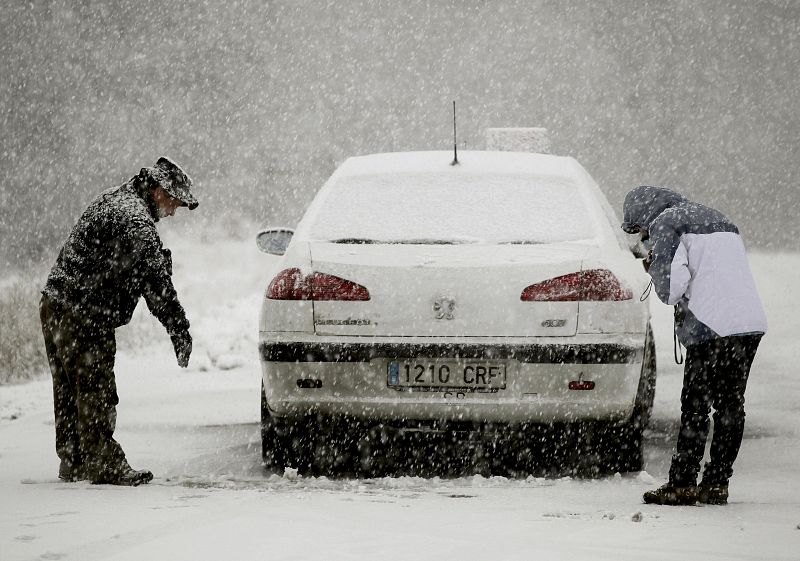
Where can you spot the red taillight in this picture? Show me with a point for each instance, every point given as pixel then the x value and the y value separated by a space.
pixel 560 289
pixel 330 287
pixel 581 385
pixel 591 285
pixel 290 284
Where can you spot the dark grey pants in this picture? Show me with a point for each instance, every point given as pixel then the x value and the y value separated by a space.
pixel 715 376
pixel 81 358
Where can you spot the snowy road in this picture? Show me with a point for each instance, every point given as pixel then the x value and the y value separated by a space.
pixel 197 430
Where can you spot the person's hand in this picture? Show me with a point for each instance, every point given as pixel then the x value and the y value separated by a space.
pixel 182 342
pixel 680 312
pixel 647 261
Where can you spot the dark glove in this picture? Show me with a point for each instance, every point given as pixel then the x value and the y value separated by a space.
pixel 182 342
pixel 647 261
pixel 680 312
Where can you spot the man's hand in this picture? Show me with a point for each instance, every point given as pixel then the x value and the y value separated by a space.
pixel 182 342
pixel 647 261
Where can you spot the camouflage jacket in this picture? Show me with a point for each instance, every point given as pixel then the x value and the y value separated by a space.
pixel 113 256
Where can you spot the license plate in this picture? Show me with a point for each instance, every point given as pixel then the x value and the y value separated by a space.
pixel 472 375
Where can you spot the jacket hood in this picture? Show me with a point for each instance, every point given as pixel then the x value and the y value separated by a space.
pixel 643 204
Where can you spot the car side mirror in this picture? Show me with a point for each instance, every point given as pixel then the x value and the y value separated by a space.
pixel 274 240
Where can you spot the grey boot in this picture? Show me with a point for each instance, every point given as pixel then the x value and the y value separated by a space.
pixel 711 494
pixel 671 495
pixel 71 472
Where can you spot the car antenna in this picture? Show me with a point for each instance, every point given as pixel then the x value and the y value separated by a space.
pixel 455 143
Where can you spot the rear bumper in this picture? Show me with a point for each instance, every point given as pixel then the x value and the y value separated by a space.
pixel 349 378
pixel 341 352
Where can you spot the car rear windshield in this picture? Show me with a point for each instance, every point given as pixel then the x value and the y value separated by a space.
pixel 453 208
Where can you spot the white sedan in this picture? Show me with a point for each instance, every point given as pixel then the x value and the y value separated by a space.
pixel 494 296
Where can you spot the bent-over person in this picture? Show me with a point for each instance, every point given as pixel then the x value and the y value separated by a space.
pixel 698 264
pixel 112 257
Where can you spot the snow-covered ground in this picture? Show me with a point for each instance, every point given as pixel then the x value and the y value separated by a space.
pixel 197 429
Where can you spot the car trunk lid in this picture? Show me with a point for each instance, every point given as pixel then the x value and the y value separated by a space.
pixel 446 290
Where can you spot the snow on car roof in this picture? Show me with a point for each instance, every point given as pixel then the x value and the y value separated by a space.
pixel 496 197
pixel 469 161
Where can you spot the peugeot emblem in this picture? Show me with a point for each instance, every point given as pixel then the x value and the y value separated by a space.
pixel 444 308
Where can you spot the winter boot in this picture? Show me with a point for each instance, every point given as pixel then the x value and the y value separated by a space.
pixel 127 476
pixel 134 477
pixel 711 494
pixel 71 472
pixel 671 495
pixel 122 474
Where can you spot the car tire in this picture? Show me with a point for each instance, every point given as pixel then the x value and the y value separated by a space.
pixel 626 453
pixel 268 444
pixel 295 443
pixel 286 443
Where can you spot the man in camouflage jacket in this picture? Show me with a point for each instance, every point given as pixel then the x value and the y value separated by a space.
pixel 113 256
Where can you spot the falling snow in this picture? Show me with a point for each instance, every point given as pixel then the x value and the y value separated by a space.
pixel 260 102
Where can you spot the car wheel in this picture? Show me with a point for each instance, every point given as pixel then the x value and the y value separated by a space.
pixel 647 382
pixel 627 450
pixel 268 436
pixel 283 441
pixel 286 442
pixel 295 443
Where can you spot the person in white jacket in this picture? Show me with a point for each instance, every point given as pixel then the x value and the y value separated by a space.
pixel 698 264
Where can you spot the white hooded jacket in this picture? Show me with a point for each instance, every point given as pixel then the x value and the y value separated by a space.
pixel 699 265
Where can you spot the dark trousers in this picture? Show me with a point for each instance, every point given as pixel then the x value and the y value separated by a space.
pixel 81 359
pixel 715 376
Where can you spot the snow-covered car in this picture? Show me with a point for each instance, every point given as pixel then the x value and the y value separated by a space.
pixel 494 295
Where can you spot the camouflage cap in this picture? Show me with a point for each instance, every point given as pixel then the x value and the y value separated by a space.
pixel 174 181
